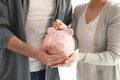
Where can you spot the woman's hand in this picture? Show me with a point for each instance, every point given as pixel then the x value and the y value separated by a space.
pixel 59 25
pixel 70 60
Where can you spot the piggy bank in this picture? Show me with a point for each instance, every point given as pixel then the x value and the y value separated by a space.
pixel 60 41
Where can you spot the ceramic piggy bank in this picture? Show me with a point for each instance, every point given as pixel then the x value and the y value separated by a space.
pixel 60 41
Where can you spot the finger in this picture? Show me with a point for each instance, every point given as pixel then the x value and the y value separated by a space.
pixel 54 62
pixel 62 27
pixel 59 25
pixel 56 59
pixel 63 64
pixel 49 47
pixel 68 62
pixel 54 25
pixel 58 22
pixel 71 58
pixel 65 26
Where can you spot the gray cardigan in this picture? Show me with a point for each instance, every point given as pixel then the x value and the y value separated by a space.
pixel 106 41
pixel 13 15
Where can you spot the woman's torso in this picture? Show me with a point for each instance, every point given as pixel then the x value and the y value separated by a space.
pixel 88 71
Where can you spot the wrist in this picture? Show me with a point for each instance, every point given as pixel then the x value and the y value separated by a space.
pixel 34 53
pixel 81 57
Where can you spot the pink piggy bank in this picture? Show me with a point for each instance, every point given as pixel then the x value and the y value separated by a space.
pixel 60 41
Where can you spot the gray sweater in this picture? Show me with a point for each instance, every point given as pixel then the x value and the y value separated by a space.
pixel 13 15
pixel 106 42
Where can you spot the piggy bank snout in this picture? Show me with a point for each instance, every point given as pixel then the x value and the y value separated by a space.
pixel 60 46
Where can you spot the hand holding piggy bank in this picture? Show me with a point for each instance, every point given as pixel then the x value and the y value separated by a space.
pixel 60 41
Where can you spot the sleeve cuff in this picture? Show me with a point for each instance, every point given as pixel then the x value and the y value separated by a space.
pixel 5 36
pixel 80 56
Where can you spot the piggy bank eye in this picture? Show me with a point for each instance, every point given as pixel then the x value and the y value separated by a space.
pixel 63 36
pixel 56 35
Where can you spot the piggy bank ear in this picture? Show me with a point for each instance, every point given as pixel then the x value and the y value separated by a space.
pixel 69 31
pixel 51 30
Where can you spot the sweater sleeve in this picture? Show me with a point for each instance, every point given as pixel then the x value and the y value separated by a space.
pixel 5 33
pixel 111 56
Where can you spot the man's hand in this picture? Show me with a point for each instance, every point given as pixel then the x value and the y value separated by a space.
pixel 48 59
